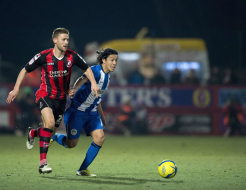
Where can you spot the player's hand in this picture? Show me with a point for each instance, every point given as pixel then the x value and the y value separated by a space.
pixel 71 92
pixel 12 95
pixel 94 89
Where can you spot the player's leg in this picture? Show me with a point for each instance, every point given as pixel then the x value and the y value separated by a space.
pixel 98 137
pixel 95 130
pixel 74 122
pixel 44 133
pixel 35 132
pixel 63 140
pixel 58 114
pixel 52 136
pixel 53 133
pixel 44 140
pixel 32 133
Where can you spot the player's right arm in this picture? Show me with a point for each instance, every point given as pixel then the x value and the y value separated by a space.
pixel 30 66
pixel 12 95
pixel 79 82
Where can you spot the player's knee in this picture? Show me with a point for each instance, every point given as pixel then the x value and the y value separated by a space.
pixel 50 124
pixel 71 144
pixel 100 140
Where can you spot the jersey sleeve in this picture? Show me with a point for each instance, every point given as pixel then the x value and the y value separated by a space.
pixel 34 63
pixel 80 62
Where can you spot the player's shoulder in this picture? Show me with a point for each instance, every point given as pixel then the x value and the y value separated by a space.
pixel 71 51
pixel 39 56
pixel 75 54
pixel 46 51
pixel 96 69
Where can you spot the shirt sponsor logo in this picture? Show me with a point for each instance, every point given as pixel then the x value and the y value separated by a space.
pixel 50 63
pixel 58 73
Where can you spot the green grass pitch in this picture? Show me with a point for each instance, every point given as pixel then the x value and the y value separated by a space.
pixel 128 163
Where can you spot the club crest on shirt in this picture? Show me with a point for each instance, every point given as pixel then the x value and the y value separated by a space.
pixel 69 64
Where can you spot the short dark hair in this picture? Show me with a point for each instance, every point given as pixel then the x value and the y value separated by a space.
pixel 104 53
pixel 58 31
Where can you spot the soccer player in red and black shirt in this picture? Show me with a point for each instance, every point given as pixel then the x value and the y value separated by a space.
pixel 56 68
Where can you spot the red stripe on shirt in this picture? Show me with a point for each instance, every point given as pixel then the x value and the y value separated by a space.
pixel 46 51
pixel 50 70
pixel 43 86
pixel 61 83
pixel 42 91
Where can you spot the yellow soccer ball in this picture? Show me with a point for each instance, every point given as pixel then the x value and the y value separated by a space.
pixel 167 169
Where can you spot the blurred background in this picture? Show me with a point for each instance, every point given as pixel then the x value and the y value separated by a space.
pixel 181 68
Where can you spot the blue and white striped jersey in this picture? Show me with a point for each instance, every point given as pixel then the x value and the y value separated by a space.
pixel 84 100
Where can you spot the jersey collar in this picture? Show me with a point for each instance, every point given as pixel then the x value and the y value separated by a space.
pixel 57 57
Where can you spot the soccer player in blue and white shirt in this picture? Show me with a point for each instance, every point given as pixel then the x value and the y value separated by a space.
pixel 85 110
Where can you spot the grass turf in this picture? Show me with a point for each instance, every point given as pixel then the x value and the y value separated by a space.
pixel 128 163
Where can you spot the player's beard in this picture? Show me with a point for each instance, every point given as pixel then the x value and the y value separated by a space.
pixel 61 48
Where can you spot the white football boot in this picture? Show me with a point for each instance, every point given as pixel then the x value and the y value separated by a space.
pixel 44 168
pixel 30 141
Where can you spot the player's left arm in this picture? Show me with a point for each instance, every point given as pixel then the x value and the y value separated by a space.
pixel 100 111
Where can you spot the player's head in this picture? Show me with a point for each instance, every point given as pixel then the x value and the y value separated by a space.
pixel 61 38
pixel 108 59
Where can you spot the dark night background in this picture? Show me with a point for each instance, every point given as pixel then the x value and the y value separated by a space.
pixel 27 26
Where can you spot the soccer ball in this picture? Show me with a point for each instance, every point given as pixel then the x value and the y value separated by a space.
pixel 167 169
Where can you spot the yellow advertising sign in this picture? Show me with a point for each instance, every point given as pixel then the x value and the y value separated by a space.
pixel 158 44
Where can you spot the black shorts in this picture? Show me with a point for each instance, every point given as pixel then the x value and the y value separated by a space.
pixel 57 106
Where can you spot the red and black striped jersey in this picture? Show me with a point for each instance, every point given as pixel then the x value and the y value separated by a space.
pixel 55 78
